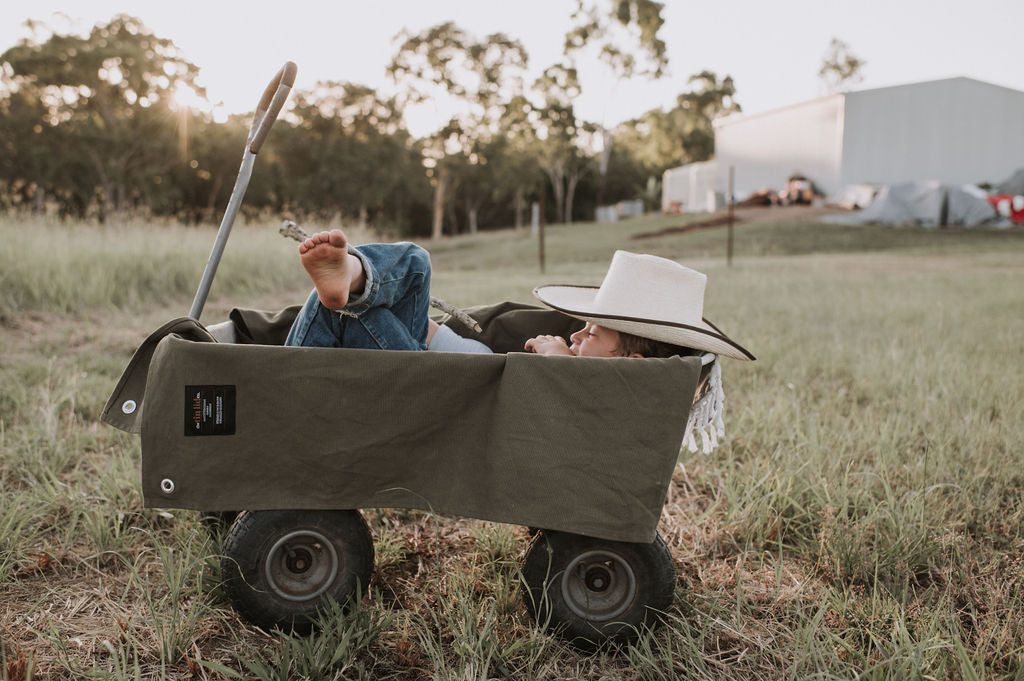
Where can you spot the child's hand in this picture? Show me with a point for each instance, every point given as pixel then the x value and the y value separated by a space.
pixel 548 345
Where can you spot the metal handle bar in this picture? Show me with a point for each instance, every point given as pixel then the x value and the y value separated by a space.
pixel 266 113
pixel 270 105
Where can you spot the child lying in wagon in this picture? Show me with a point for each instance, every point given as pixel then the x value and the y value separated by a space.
pixel 376 296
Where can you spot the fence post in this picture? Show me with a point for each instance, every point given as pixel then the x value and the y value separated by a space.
pixel 541 233
pixel 732 217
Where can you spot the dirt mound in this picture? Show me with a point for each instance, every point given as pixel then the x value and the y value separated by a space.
pixel 747 215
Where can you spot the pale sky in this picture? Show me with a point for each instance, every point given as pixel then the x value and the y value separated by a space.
pixel 772 50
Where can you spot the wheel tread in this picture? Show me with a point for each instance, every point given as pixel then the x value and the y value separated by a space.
pixel 549 554
pixel 253 531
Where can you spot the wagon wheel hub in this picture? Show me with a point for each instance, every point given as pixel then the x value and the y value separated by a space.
pixel 598 578
pixel 599 585
pixel 298 561
pixel 301 565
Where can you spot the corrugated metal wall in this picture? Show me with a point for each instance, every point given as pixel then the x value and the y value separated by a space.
pixel 957 130
pixel 767 148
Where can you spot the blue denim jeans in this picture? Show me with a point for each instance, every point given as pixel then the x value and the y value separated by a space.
pixel 390 313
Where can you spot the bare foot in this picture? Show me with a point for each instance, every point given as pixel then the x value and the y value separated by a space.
pixel 335 272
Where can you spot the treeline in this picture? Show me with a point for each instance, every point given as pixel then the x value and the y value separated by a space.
pixel 95 126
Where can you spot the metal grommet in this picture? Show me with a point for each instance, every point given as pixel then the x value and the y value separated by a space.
pixel 129 406
pixel 167 486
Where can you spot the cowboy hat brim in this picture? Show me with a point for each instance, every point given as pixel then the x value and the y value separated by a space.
pixel 578 302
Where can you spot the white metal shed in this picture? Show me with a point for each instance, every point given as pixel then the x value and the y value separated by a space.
pixel 955 130
pixel 689 188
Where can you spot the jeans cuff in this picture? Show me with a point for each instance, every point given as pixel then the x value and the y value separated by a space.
pixel 356 307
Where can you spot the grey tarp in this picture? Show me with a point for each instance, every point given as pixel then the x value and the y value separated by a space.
pixel 1013 185
pixel 928 204
pixel 583 445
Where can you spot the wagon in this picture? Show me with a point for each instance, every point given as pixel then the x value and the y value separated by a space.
pixel 303 438
pixel 285 446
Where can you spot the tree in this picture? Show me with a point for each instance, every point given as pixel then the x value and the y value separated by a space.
pixel 634 21
pixel 346 153
pixel 685 133
pixel 608 25
pixel 201 188
pixel 517 142
pixel 840 68
pixel 660 140
pixel 708 100
pixel 112 96
pixel 559 136
pixel 483 74
pixel 25 173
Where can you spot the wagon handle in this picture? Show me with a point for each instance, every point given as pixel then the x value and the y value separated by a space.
pixel 266 113
pixel 270 105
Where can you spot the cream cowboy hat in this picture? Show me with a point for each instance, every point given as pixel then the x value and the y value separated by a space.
pixel 646 296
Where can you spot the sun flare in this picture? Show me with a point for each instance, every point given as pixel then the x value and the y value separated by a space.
pixel 184 97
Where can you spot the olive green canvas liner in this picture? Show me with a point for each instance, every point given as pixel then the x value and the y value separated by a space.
pixel 583 445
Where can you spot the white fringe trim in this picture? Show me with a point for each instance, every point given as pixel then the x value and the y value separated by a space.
pixel 706 415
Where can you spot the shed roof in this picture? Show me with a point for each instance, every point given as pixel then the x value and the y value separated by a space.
pixel 738 117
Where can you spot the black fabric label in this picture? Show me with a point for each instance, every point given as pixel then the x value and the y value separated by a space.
pixel 209 410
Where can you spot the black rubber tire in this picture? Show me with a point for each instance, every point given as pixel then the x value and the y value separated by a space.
pixel 278 566
pixel 593 592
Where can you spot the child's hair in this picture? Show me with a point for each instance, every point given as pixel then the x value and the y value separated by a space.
pixel 648 347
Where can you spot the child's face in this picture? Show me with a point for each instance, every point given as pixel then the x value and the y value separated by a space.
pixel 595 341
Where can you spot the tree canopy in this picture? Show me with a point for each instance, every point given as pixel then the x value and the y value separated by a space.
pixel 607 24
pixel 92 126
pixel 483 74
pixel 107 102
pixel 840 68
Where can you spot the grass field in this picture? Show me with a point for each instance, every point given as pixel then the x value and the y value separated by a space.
pixel 863 518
